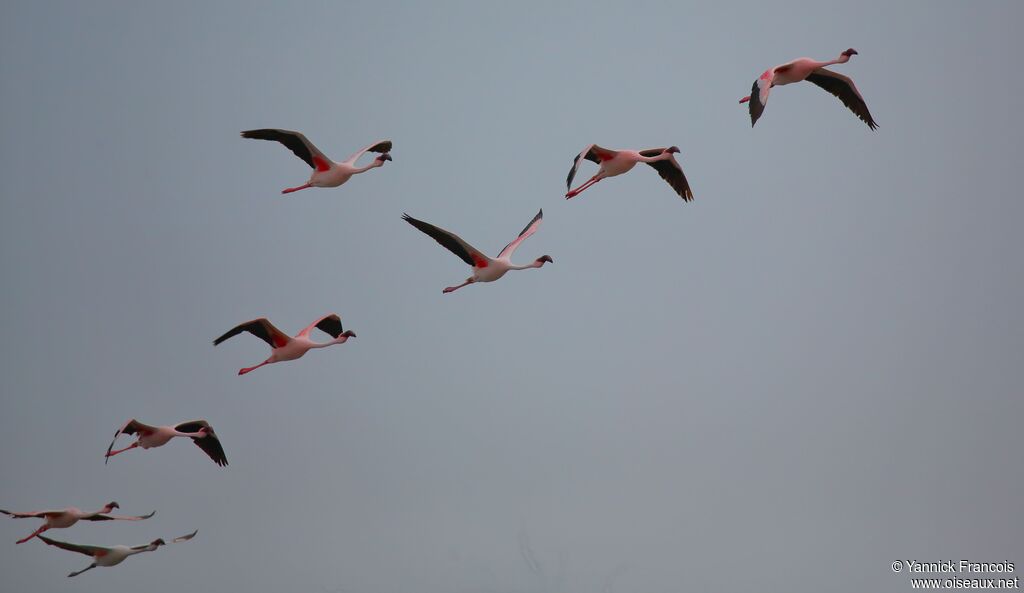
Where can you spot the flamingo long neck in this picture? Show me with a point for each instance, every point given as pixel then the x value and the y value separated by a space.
pixel 534 264
pixel 372 165
pixel 339 340
pixel 651 159
pixel 842 59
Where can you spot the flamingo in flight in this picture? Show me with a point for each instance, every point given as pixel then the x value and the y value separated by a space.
pixel 326 173
pixel 64 518
pixel 113 555
pixel 199 431
pixel 284 348
pixel 485 269
pixel 617 162
pixel 811 71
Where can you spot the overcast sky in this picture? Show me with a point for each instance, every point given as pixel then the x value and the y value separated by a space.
pixel 810 371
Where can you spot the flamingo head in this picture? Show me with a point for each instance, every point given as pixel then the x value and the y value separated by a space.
pixel 348 334
pixel 672 149
pixel 384 157
pixel 157 543
pixel 544 259
pixel 111 506
pixel 849 52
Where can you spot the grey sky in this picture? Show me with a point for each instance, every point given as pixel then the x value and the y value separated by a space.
pixel 812 370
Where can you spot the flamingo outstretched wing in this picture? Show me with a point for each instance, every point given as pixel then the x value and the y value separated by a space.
pixel 261 328
pixel 295 142
pixel 381 146
pixel 530 229
pixel 843 88
pixel 450 241
pixel 592 153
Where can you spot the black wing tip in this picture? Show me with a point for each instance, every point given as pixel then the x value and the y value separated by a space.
pixel 219 457
pixel 572 172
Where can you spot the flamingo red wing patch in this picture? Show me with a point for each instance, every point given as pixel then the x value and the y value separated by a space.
pixel 479 262
pixel 100 553
pixel 321 164
pixel 279 341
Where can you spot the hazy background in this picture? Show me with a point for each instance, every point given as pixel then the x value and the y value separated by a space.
pixel 812 370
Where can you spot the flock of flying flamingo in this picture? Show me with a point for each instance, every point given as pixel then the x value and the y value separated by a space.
pixel 327 173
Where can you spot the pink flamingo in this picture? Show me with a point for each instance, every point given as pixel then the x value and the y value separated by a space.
pixel 617 162
pixel 485 269
pixel 64 518
pixel 811 71
pixel 284 348
pixel 112 555
pixel 199 431
pixel 326 173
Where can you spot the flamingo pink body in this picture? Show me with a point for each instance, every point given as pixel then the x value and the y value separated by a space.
pixel 285 348
pixel 64 518
pixel 485 269
pixel 110 555
pixel 150 437
pixel 326 173
pixel 612 163
pixel 813 71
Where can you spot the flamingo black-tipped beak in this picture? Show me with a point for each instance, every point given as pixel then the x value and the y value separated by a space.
pixel 386 156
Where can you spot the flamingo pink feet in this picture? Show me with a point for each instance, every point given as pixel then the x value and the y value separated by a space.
pixel 37 532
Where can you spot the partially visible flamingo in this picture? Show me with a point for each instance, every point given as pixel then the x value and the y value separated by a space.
pixel 485 269
pixel 617 162
pixel 811 71
pixel 285 348
pixel 113 555
pixel 64 518
pixel 326 173
pixel 199 431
